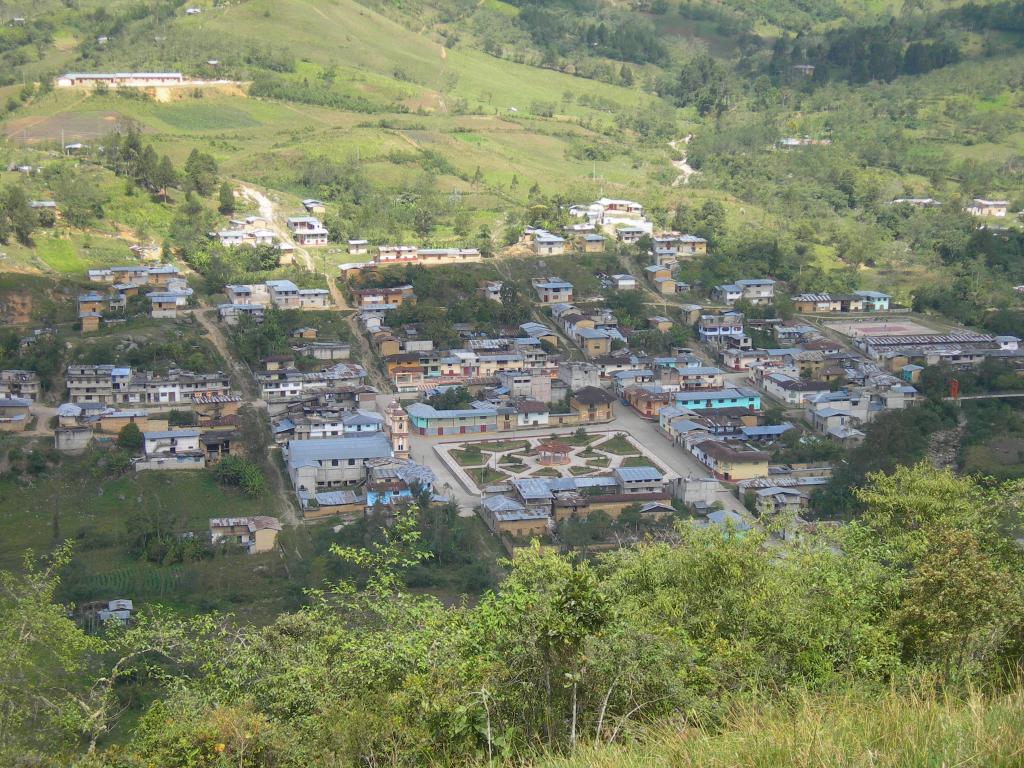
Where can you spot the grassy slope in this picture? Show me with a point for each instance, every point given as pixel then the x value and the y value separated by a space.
pixel 823 732
pixel 94 513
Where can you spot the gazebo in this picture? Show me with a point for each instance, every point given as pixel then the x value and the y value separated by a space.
pixel 553 453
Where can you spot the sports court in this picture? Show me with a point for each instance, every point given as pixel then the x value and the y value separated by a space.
pixel 894 327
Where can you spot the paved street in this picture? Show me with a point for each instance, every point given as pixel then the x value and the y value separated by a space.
pixel 644 432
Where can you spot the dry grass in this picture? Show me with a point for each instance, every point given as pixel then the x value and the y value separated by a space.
pixel 853 729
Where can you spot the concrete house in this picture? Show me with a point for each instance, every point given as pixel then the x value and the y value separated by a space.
pixel 167 304
pixel 307 230
pixel 317 465
pixel 624 282
pixel 428 421
pixel 714 328
pixel 731 461
pixel 592 243
pixel 874 301
pixel 19 383
pixel 727 293
pixel 757 291
pixel 630 235
pixel 171 450
pixel 547 244
pixel 981 207
pixel 739 397
pixel 594 343
pixel 811 303
pixel 14 413
pixel 552 290
pixel 790 389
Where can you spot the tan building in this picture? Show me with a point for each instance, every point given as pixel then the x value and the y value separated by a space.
pixel 14 414
pixel 254 534
pixel 592 405
pixel 595 343
pixel 731 461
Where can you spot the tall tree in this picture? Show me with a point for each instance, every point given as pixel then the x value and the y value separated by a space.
pixel 201 171
pixel 226 199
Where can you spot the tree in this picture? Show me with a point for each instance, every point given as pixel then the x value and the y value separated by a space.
pixel 147 169
pixel 423 221
pixel 81 199
pixel 165 176
pixel 703 83
pixel 44 660
pixel 955 582
pixel 16 215
pixel 227 199
pixel 130 438
pixel 201 172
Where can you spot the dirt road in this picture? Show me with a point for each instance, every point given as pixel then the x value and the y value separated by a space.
pixel 240 373
pixel 269 211
pixel 684 168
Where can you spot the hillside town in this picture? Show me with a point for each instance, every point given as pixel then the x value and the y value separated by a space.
pixel 530 425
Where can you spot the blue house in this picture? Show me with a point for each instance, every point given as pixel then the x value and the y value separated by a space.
pixel 874 301
pixel 740 397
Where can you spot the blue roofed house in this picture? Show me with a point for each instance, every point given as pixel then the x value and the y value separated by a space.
pixel 430 422
pixel 552 290
pixel 317 465
pixel 547 244
pixel 727 293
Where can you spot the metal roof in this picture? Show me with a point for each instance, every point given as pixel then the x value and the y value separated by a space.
pixel 530 488
pixel 310 452
pixel 637 474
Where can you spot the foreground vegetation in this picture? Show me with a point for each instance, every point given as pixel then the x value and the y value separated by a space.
pixel 707 636
pixel 854 727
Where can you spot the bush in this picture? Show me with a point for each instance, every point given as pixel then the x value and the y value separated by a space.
pixel 241 473
pixel 130 438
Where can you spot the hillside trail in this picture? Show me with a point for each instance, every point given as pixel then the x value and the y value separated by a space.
pixel 268 210
pixel 275 479
pixel 944 446
pixel 684 168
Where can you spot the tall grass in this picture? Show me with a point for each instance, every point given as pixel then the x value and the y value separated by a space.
pixel 852 729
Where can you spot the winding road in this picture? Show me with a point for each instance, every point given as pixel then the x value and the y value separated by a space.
pixel 684 168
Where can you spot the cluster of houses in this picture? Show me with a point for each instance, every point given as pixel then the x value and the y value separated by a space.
pixel 252 231
pixel 102 399
pixel 162 284
pixel 389 255
pixel 979 206
pixel 529 507
pixel 346 462
pixel 281 381
pixel 252 300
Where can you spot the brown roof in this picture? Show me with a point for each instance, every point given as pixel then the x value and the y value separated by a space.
pixel 821 344
pixel 592 396
pixel 531 406
pixel 725 452
pixel 553 446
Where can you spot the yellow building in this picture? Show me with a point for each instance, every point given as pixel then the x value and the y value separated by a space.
pixel 731 462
